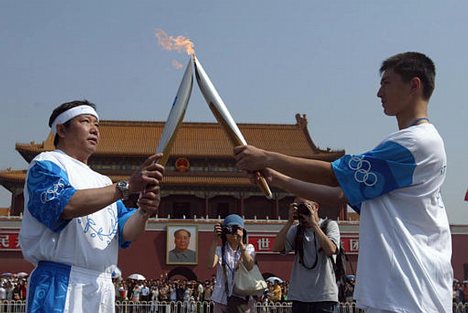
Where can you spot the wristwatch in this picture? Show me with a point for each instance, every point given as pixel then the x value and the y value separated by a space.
pixel 122 186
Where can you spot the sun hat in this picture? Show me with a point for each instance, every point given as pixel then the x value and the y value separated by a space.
pixel 233 219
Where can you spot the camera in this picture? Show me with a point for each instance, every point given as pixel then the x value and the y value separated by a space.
pixel 230 229
pixel 302 209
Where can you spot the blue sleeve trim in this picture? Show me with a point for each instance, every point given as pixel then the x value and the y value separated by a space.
pixel 367 176
pixel 123 214
pixel 49 192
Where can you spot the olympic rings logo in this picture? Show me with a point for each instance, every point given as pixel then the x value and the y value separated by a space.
pixel 52 193
pixel 362 170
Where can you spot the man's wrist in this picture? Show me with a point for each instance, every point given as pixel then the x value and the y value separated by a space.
pixel 124 188
pixel 268 157
pixel 143 213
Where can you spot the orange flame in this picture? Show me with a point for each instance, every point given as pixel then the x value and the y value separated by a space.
pixel 171 43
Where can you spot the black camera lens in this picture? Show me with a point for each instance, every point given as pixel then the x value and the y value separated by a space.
pixel 230 229
pixel 302 209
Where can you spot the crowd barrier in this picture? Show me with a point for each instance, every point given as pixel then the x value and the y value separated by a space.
pixel 198 307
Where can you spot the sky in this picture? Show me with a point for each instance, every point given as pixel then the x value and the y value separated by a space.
pixel 268 59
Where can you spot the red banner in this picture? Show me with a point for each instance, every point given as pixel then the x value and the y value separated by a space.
pixel 466 195
pixel 350 244
pixel 263 243
pixel 9 241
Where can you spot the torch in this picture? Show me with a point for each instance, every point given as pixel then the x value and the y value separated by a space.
pixel 176 115
pixel 223 116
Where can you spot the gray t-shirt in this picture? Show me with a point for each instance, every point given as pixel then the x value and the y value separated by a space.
pixel 317 284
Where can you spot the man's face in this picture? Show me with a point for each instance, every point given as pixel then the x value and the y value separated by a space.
pixel 82 135
pixel 181 240
pixel 394 93
pixel 304 204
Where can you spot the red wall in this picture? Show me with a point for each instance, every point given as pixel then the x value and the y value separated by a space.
pixel 460 256
pixel 147 256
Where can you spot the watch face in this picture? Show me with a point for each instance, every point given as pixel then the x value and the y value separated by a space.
pixel 123 187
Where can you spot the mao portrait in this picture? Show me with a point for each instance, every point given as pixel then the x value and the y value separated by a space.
pixel 182 244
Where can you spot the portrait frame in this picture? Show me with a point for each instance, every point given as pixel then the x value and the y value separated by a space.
pixel 190 256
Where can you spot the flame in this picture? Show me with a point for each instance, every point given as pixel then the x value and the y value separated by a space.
pixel 171 43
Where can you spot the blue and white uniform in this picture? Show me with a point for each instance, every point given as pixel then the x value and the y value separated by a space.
pixel 405 242
pixel 73 258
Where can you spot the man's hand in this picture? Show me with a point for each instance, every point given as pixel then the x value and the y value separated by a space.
pixel 250 158
pixel 292 212
pixel 149 200
pixel 271 176
pixel 149 174
pixel 313 218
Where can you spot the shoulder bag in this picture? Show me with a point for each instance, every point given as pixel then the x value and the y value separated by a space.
pixel 248 283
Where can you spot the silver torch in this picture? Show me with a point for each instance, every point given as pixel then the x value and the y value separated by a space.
pixel 223 117
pixel 176 115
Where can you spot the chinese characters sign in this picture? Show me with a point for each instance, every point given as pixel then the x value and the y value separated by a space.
pixel 9 241
pixel 350 244
pixel 263 243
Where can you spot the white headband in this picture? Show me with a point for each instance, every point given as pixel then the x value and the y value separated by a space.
pixel 64 117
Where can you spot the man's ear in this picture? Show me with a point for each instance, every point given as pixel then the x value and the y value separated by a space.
pixel 60 130
pixel 415 84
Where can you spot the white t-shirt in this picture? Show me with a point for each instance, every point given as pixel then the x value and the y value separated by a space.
pixel 405 243
pixel 90 241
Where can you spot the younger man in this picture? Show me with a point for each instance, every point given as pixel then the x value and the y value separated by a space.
pixel 405 244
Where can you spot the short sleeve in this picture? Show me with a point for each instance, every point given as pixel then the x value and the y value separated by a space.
pixel 366 176
pixel 289 241
pixel 123 214
pixel 333 232
pixel 49 191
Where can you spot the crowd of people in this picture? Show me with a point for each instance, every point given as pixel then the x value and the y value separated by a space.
pixel 163 289
pixel 460 291
pixel 183 290
pixel 13 288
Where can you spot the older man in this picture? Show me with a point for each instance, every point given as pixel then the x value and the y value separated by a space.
pixel 181 252
pixel 74 220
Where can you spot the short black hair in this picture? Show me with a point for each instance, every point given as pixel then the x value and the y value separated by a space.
pixel 413 64
pixel 64 107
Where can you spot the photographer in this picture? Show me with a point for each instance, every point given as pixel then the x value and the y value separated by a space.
pixel 226 258
pixel 312 287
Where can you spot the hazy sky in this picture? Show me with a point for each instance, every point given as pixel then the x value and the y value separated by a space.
pixel 268 59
